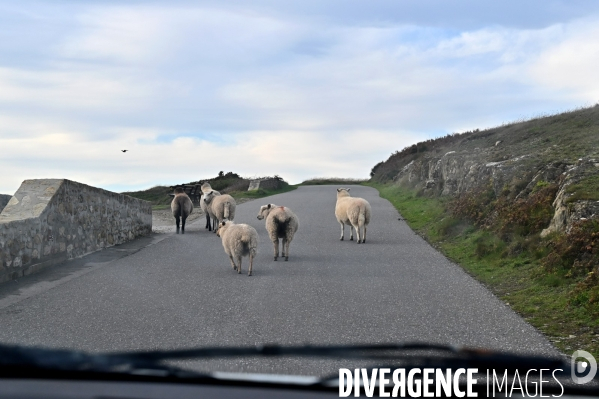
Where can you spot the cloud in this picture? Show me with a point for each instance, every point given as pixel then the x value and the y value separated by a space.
pixel 264 90
pixel 257 153
pixel 570 66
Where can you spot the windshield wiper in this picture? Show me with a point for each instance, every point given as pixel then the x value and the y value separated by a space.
pixel 32 362
pixel 412 353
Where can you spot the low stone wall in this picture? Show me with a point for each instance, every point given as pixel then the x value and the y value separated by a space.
pixel 48 221
pixel 268 184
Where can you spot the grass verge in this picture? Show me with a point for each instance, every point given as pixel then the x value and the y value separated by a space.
pixel 261 193
pixel 543 299
pixel 157 195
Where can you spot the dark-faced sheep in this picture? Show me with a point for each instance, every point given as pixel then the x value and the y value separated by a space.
pixel 282 223
pixel 210 225
pixel 239 240
pixel 181 207
pixel 353 212
pixel 220 207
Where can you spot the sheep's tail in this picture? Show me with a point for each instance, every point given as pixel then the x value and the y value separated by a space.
pixel 227 210
pixel 250 242
pixel 362 215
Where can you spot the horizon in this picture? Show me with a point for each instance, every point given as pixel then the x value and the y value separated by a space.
pixel 300 89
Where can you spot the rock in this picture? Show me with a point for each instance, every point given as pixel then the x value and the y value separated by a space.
pixel 4 199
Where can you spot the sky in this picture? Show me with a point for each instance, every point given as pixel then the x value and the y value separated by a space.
pixel 300 89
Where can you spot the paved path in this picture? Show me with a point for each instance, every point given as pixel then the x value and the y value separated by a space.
pixel 173 291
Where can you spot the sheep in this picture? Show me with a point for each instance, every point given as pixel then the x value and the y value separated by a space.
pixel 181 207
pixel 238 240
pixel 206 188
pixel 353 212
pixel 282 223
pixel 220 207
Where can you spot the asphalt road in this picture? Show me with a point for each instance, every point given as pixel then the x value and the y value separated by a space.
pixel 175 291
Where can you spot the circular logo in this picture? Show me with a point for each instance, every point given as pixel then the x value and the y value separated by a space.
pixel 588 367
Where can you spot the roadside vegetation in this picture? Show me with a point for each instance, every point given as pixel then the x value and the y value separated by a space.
pixel 157 195
pixel 552 282
pixel 492 224
pixel 260 193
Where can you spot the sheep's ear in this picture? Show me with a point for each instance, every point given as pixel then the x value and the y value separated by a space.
pixel 268 207
pixel 347 189
pixel 338 190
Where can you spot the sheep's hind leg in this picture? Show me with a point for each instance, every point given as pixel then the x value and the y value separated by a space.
pixel 286 247
pixel 177 221
pixel 232 262
pixel 251 264
pixel 357 228
pixel 276 249
pixel 283 247
pixel 364 238
pixel 239 260
pixel 342 230
pixel 351 233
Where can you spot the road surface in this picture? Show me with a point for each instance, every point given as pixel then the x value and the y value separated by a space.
pixel 179 291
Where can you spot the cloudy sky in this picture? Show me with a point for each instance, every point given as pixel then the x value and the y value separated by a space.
pixel 296 88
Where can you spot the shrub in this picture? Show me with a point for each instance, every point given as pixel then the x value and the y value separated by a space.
pixel 577 251
pixel 529 215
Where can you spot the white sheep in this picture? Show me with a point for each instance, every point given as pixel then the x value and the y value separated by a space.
pixel 282 223
pixel 353 212
pixel 239 240
pixel 220 207
pixel 206 188
pixel 181 206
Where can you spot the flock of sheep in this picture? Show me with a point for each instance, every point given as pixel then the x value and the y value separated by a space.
pixel 241 240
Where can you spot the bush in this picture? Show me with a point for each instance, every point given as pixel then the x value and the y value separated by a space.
pixel 475 205
pixel 521 217
pixel 577 251
pixel 527 215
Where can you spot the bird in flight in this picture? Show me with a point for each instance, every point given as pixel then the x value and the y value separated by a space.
pixel 124 150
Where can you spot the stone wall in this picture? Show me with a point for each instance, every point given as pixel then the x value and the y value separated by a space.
pixel 48 221
pixel 267 184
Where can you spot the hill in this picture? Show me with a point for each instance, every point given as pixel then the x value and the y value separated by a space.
pixel 511 161
pixel 518 207
pixel 227 183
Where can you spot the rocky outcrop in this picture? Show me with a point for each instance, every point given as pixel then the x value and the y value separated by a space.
pixel 456 172
pixel 4 200
pixel 568 211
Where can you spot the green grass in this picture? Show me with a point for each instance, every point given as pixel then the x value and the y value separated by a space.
pixel 543 299
pixel 156 195
pixel 585 189
pixel 419 211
